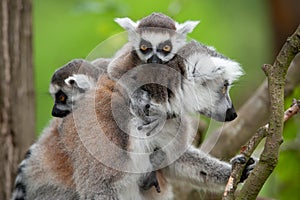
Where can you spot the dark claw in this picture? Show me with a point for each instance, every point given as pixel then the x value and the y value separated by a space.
pixel 240 159
pixel 248 169
pixel 156 185
pixel 251 161
pixel 150 180
pixel 157 157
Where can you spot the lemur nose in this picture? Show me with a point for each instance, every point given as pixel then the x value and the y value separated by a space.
pixel 154 59
pixel 230 114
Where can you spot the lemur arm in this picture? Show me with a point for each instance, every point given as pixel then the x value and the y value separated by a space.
pixel 198 168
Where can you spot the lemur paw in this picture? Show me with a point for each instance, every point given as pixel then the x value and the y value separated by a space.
pixel 157 157
pixel 148 180
pixel 148 128
pixel 241 159
pixel 151 115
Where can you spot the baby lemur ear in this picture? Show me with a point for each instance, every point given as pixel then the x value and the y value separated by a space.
pixel 128 25
pixel 79 81
pixel 186 27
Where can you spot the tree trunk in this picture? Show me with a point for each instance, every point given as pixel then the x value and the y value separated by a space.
pixel 17 113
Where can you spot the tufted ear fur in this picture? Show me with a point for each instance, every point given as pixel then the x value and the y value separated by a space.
pixel 206 68
pixel 79 81
pixel 129 26
pixel 186 27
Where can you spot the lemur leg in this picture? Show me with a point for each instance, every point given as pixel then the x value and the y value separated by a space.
pixel 150 179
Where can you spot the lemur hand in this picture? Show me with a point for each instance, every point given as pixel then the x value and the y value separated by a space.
pixel 151 115
pixel 248 168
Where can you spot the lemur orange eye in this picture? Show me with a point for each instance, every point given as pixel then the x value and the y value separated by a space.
pixel 62 98
pixel 167 48
pixel 143 47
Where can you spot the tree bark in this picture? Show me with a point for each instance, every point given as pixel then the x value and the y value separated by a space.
pixel 17 104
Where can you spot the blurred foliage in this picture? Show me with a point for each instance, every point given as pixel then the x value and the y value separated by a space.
pixel 64 30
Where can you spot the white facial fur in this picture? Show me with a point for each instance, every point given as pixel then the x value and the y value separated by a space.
pixel 75 88
pixel 155 39
pixel 205 87
pixel 81 81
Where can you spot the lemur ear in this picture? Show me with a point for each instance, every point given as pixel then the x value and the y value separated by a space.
pixel 79 81
pixel 128 25
pixel 212 68
pixel 186 27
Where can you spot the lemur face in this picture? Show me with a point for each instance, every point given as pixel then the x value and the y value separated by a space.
pixel 209 77
pixel 222 108
pixel 65 96
pixel 157 47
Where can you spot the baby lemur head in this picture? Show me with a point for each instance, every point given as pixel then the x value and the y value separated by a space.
pixel 156 38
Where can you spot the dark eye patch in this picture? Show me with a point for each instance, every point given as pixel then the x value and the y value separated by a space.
pixel 61 97
pixel 161 46
pixel 147 44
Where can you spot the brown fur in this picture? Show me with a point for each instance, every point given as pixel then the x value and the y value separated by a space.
pixel 57 160
pixel 76 66
pixel 158 93
pixel 90 175
pixel 157 20
pixel 49 160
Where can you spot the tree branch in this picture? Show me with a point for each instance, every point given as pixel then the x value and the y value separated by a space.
pixel 276 80
pixel 248 149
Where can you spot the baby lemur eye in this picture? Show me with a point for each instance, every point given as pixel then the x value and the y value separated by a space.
pixel 143 47
pixel 167 48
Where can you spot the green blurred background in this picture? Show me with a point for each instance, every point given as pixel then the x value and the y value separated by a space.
pixel 242 30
